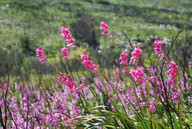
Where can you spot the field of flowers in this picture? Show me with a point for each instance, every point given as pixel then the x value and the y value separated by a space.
pixel 157 95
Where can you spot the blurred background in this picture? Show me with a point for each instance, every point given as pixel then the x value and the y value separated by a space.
pixel 28 24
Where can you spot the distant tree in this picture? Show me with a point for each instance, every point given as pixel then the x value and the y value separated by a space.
pixel 85 32
pixel 27 45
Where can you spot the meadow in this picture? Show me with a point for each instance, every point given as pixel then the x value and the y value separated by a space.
pixel 25 25
pixel 95 64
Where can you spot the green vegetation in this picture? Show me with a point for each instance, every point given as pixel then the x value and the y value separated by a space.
pixel 25 25
pixel 153 92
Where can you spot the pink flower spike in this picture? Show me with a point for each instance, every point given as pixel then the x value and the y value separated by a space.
pixel 104 28
pixel 68 45
pixel 72 47
pixel 172 71
pixel 153 106
pixel 41 55
pixel 158 44
pixel 103 25
pixel 69 82
pixel 84 57
pixel 124 71
pixel 60 78
pixel 137 74
pixel 65 33
pixel 64 52
pixel 136 53
pixel 71 41
pixel 64 30
pixel 123 58
pixel 89 64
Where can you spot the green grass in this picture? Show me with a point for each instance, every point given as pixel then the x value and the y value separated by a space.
pixel 39 20
pixel 43 21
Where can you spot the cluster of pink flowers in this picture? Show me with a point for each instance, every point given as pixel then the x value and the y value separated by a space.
pixel 89 64
pixel 124 58
pixel 158 44
pixel 136 53
pixel 176 95
pixel 104 28
pixel 137 74
pixel 153 106
pixel 64 52
pixel 41 55
pixel 67 37
pixel 172 71
pixel 69 82
pixel 28 107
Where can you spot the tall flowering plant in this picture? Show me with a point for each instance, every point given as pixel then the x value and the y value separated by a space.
pixel 134 95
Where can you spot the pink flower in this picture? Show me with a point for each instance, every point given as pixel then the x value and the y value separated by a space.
pixel 123 58
pixel 64 52
pixel 60 78
pixel 137 74
pixel 190 64
pixel 153 106
pixel 104 26
pixel 136 53
pixel 89 64
pixel 116 60
pixel 172 71
pixel 41 55
pixel 161 56
pixel 176 95
pixel 67 37
pixel 158 44
pixel 69 82
pixel 124 71
pixel 85 57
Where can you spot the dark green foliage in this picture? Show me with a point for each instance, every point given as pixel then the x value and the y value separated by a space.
pixel 84 31
pixel 27 45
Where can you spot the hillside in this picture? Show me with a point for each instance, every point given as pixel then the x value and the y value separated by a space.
pixel 25 25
